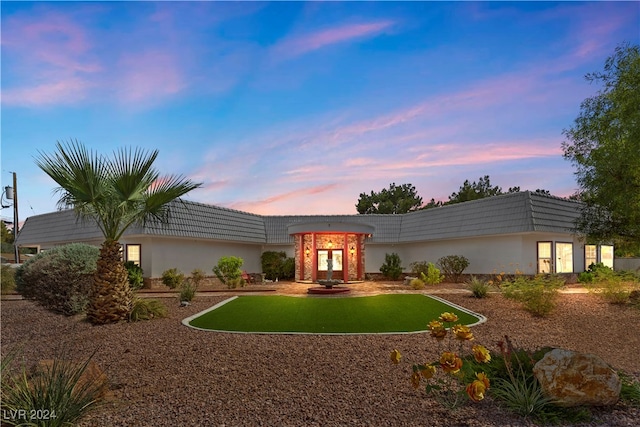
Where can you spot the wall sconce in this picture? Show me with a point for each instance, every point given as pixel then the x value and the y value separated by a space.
pixel 330 244
pixel 307 251
pixel 352 250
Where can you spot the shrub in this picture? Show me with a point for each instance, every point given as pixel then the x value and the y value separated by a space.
pixel 135 275
pixel 417 284
pixel 60 278
pixel 8 279
pixel 433 276
pixel 276 265
pixel 55 397
pixel 452 266
pixel 630 390
pixel 190 286
pixel 538 295
pixel 172 277
pixel 392 267
pixel 146 309
pixel 478 287
pixel 228 271
pixel 418 268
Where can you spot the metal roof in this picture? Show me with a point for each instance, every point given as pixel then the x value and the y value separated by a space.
pixel 510 213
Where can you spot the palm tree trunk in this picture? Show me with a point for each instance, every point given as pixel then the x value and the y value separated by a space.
pixel 110 298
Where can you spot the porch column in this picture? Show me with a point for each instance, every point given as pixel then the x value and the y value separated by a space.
pixel 345 258
pixel 314 258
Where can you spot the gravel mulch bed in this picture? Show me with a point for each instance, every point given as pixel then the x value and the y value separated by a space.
pixel 165 374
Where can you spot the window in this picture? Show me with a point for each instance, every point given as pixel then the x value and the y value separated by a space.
pixel 544 257
pixel 564 257
pixel 590 255
pixel 133 254
pixel 336 256
pixel 606 255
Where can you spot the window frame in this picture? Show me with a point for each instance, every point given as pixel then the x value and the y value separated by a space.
pixel 594 258
pixel 557 264
pixel 139 246
pixel 539 259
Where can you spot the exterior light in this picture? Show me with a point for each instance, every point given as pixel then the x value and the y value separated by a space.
pixel 352 250
pixel 307 251
pixel 330 244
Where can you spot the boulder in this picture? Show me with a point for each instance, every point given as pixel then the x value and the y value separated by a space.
pixel 576 379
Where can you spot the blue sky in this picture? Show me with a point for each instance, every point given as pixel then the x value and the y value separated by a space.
pixel 297 108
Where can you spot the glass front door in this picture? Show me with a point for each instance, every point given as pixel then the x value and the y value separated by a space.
pixel 336 256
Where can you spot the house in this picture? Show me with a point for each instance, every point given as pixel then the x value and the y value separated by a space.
pixel 525 231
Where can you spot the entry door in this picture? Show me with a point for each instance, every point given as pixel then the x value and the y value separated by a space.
pixel 323 256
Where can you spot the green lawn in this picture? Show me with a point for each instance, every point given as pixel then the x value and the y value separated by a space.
pixel 373 314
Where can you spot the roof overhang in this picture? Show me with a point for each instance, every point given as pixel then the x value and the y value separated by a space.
pixel 331 227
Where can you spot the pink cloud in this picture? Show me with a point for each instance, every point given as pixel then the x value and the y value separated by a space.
pixel 67 91
pixel 273 204
pixel 148 75
pixel 301 44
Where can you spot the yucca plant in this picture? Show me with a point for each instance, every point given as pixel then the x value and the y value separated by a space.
pixel 114 193
pixel 56 396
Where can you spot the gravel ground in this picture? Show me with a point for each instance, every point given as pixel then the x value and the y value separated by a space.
pixel 165 374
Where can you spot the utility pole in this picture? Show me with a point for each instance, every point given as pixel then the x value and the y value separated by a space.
pixel 15 218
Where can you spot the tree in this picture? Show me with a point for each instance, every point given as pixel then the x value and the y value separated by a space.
pixel 604 146
pixel 477 190
pixel 115 193
pixel 395 200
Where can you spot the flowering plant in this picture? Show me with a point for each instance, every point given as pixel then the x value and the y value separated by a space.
pixel 449 379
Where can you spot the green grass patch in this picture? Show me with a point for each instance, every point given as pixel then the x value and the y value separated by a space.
pixel 373 314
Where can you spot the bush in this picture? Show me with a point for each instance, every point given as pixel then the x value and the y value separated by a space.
pixel 433 276
pixel 60 278
pixel 276 265
pixel 418 268
pixel 417 284
pixel 478 287
pixel 228 271
pixel 392 267
pixel 8 279
pixel 172 277
pixel 538 295
pixel 452 266
pixel 190 286
pixel 146 309
pixel 135 275
pixel 55 397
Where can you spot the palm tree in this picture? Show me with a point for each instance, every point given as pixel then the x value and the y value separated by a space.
pixel 115 193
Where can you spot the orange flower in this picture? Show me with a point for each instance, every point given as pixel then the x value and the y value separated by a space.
pixel 437 329
pixel 448 317
pixel 450 362
pixel 483 377
pixel 481 354
pixel 428 372
pixel 463 332
pixel 476 390
pixel 395 356
pixel 415 380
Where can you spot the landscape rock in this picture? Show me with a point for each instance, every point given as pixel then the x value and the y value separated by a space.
pixel 576 379
pixel 92 375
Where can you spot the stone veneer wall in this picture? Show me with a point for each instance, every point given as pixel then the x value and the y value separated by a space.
pixel 322 242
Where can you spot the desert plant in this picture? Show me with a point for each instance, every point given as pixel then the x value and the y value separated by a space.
pixel 60 278
pixel 452 266
pixel 57 396
pixel 538 295
pixel 432 276
pixel 135 274
pixel 115 193
pixel 392 267
pixel 172 278
pixel 197 276
pixel 478 287
pixel 450 379
pixel 228 270
pixel 147 309
pixel 418 267
pixel 8 280
pixel 190 286
pixel 417 284
pixel 630 390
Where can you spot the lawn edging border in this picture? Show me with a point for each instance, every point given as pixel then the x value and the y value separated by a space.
pixel 186 321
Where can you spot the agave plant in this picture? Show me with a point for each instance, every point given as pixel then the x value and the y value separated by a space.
pixel 115 193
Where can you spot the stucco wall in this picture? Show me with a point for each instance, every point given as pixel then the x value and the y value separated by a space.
pixel 159 254
pixel 486 255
